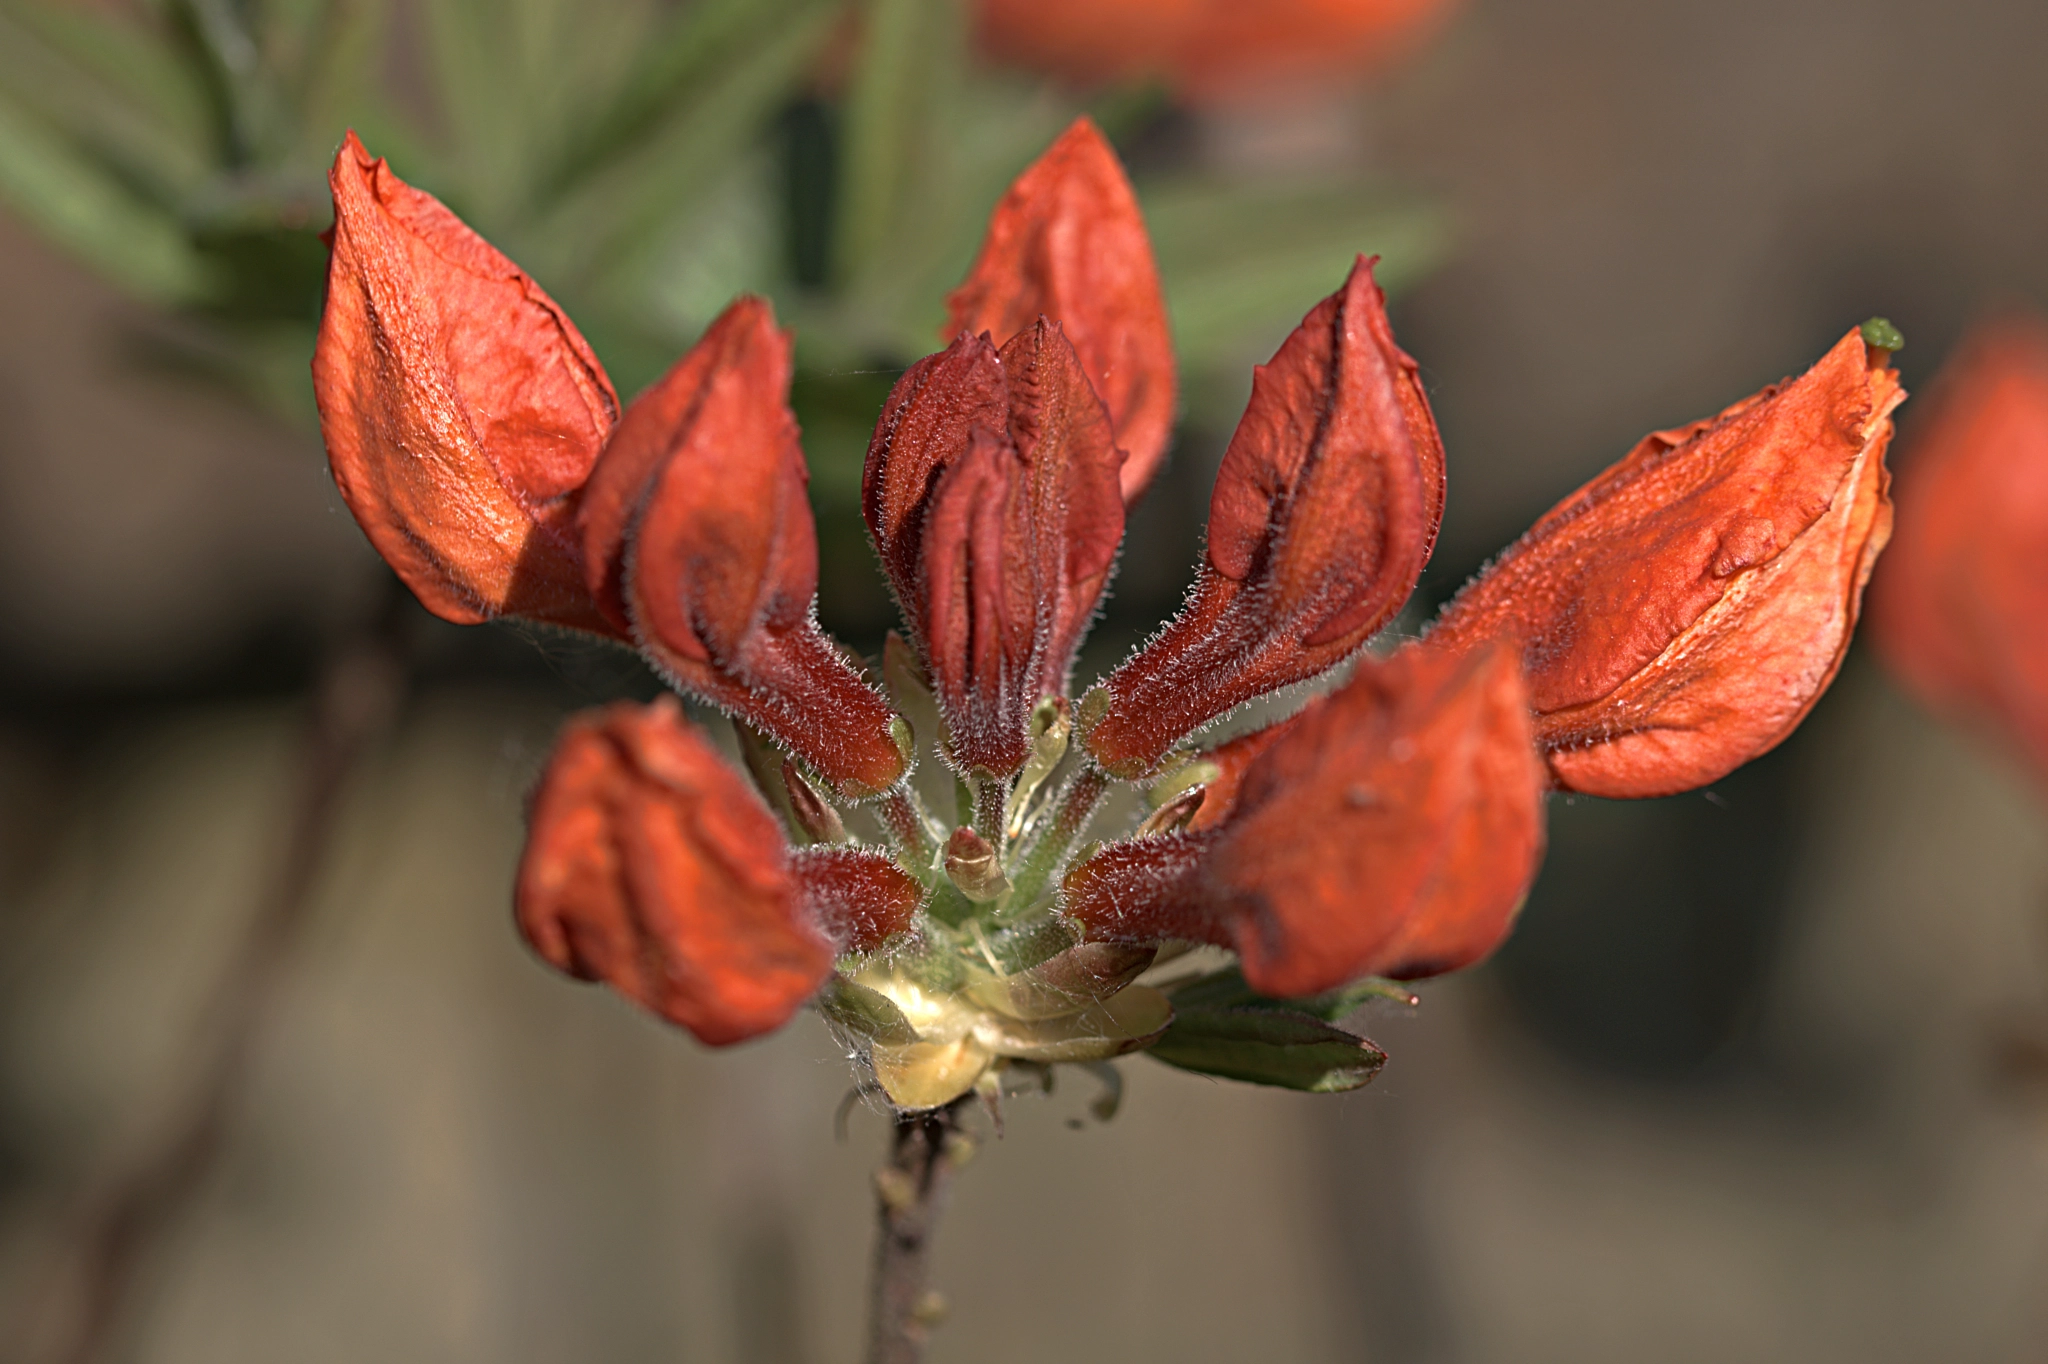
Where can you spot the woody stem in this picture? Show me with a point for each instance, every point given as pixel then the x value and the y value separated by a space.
pixel 910 1193
pixel 1076 805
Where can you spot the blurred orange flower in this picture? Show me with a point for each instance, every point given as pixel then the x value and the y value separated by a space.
pixel 1960 612
pixel 1208 50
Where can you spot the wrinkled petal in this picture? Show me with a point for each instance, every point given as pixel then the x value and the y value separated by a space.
pixel 928 422
pixel 979 613
pixel 1067 242
pixel 652 866
pixel 1681 613
pixel 697 532
pixel 1066 439
pixel 461 408
pixel 991 493
pixel 1209 50
pixel 1325 509
pixel 1392 829
pixel 1960 611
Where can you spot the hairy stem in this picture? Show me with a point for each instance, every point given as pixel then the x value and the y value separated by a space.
pixel 903 815
pixel 910 1194
pixel 1076 808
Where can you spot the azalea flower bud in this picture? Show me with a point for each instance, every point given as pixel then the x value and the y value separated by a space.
pixel 1067 242
pixel 991 492
pixel 1960 610
pixel 652 866
pixel 1680 614
pixel 1324 511
pixel 1392 829
pixel 462 409
pixel 697 533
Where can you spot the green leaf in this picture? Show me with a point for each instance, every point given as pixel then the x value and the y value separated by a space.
pixel 892 305
pixel 1241 262
pixel 909 50
pixel 110 88
pixel 332 58
pixel 1268 1047
pixel 666 72
pixel 71 200
pixel 869 1013
pixel 1226 989
pixel 616 221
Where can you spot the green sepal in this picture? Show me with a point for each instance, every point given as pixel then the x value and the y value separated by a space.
pixel 869 1013
pixel 1226 989
pixel 1023 946
pixel 1268 1046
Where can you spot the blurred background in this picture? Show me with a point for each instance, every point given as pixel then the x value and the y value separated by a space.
pixel 1762 1075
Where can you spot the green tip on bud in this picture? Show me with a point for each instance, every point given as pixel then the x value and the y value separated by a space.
pixel 1093 707
pixel 1880 334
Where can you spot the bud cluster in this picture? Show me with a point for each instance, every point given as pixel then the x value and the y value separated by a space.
pixel 907 847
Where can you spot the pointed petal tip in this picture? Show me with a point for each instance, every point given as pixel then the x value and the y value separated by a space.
pixel 1068 241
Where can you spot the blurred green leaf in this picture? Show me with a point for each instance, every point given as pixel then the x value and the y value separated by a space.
pixel 111 89
pixel 1242 261
pixel 607 230
pixel 697 41
pixel 69 198
pixel 925 162
pixel 1228 989
pixel 1268 1047
pixel 908 55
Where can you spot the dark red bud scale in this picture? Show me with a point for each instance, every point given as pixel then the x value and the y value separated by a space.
pixel 991 492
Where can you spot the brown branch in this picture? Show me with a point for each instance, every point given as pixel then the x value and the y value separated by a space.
pixel 355 702
pixel 910 1194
